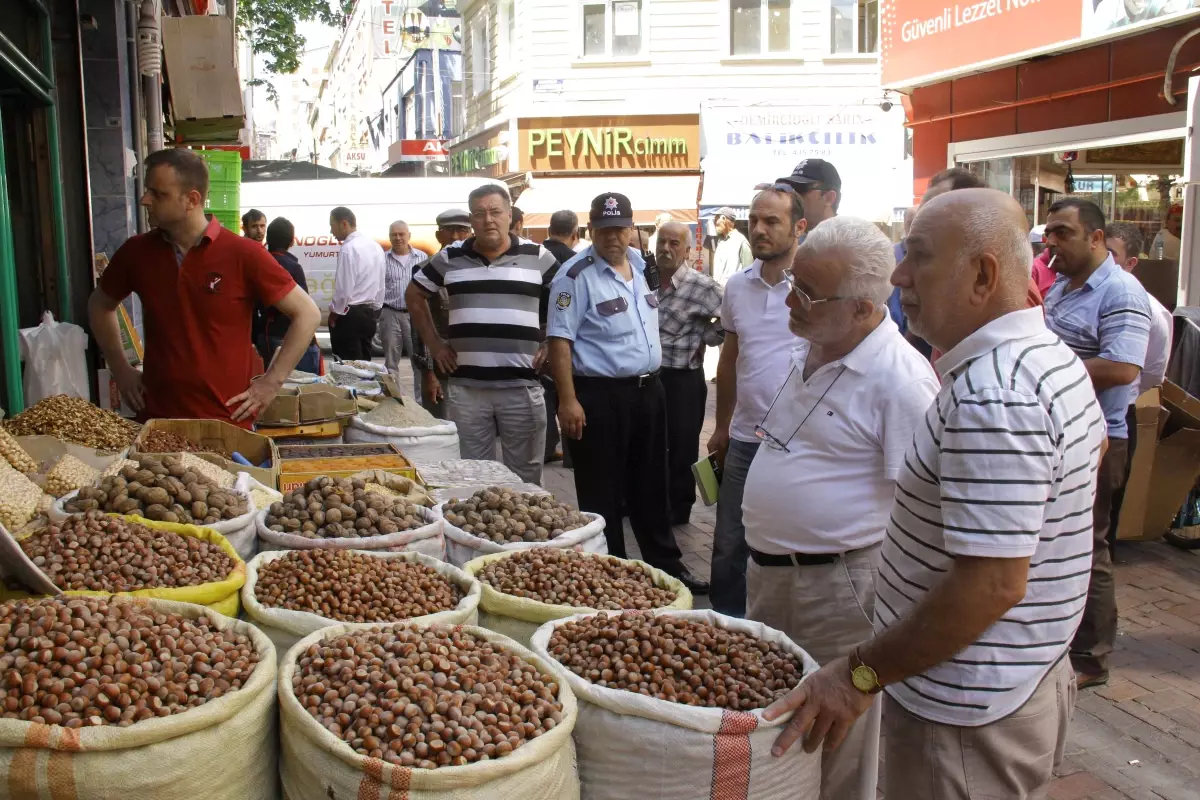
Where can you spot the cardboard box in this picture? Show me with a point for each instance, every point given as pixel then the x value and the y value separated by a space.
pixel 47 450
pixel 297 470
pixel 206 94
pixel 110 396
pixel 1165 462
pixel 224 436
pixel 305 405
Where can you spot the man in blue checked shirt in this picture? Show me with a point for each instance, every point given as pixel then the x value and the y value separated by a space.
pixel 1103 314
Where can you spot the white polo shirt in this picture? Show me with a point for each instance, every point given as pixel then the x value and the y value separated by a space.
pixel 1158 349
pixel 758 314
pixel 846 430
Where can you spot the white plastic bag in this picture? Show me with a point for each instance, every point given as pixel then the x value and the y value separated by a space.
pixel 55 360
pixel 426 539
pixel 432 443
pixel 629 745
pixel 462 547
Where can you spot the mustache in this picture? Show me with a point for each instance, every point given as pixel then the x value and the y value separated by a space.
pixel 908 298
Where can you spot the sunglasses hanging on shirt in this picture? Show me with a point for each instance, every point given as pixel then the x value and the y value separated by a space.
pixel 784 416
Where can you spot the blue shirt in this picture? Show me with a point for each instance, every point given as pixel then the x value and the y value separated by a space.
pixel 613 323
pixel 1108 317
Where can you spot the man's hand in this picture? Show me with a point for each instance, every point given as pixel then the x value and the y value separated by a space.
pixel 251 402
pixel 718 443
pixel 826 705
pixel 444 356
pixel 571 418
pixel 431 387
pixel 539 358
pixel 332 320
pixel 129 382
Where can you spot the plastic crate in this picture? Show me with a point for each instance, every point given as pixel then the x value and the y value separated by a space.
pixel 230 219
pixel 224 179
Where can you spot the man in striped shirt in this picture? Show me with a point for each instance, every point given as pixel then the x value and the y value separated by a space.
pixel 985 567
pixel 498 287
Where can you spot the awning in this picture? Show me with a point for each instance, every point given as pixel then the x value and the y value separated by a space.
pixel 650 195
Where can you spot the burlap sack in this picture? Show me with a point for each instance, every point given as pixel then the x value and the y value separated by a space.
pixel 462 547
pixel 519 617
pixel 630 745
pixel 223 750
pixel 317 765
pixel 285 627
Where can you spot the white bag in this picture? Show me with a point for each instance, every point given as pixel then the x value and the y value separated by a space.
pixel 462 547
pixel 432 443
pixel 55 360
pixel 317 765
pixel 222 750
pixel 426 539
pixel 285 627
pixel 630 745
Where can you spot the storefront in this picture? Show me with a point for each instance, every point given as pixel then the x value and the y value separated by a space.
pixel 1044 101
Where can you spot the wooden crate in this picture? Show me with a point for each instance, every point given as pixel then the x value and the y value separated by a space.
pixel 296 470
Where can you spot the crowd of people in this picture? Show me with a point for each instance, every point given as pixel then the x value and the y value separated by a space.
pixel 922 446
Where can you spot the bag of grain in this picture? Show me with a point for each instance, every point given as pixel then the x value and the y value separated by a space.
pixel 463 546
pixel 316 765
pixel 634 745
pixel 414 431
pixel 288 626
pixel 519 617
pixel 223 749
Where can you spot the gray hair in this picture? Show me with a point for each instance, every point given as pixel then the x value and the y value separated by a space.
pixel 397 222
pixel 985 231
pixel 687 231
pixel 870 261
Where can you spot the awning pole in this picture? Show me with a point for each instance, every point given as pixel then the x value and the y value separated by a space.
pixel 57 208
pixel 14 395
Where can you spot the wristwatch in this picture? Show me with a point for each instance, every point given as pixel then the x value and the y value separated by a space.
pixel 862 676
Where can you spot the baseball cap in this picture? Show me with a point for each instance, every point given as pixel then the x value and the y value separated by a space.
pixel 813 170
pixel 454 218
pixel 727 212
pixel 611 210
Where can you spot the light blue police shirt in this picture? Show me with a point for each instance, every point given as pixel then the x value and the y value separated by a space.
pixel 612 323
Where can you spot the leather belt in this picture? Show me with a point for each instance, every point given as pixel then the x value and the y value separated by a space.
pixel 393 308
pixel 636 380
pixel 794 559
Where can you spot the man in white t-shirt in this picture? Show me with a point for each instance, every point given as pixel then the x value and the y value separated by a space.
pixel 820 489
pixel 754 361
pixel 1167 242
pixel 1124 241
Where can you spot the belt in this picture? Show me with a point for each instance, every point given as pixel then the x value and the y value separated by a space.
pixel 393 308
pixel 795 559
pixel 636 380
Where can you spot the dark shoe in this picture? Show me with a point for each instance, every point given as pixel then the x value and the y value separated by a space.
pixel 682 518
pixel 695 584
pixel 555 456
pixel 1083 680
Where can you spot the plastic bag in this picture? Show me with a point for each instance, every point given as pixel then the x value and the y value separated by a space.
pixel 55 360
pixel 462 547
pixel 433 443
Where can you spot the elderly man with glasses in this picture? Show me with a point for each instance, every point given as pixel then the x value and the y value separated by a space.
pixel 820 488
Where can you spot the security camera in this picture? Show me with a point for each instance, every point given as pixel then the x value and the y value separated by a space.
pixel 885 106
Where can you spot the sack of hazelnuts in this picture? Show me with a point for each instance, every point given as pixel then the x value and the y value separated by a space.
pixel 433 712
pixel 524 589
pixel 684 688
pixel 196 723
pixel 292 593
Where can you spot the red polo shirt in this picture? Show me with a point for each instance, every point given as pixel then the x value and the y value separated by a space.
pixel 197 314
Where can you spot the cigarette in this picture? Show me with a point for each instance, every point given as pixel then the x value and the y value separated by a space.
pixel 1050 263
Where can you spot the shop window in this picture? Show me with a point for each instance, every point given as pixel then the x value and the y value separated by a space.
pixel 853 27
pixel 614 28
pixel 760 27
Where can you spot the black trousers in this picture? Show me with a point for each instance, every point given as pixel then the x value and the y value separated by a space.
pixel 553 440
pixel 621 462
pixel 350 337
pixel 686 393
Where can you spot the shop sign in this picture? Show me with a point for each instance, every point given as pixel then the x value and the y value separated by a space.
pixel 418 150
pixel 923 41
pixel 403 26
pixel 604 143
pixel 476 158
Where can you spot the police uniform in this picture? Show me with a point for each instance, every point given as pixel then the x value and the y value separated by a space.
pixel 621 460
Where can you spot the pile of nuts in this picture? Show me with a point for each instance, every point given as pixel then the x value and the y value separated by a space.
pixel 506 516
pixel 19 498
pixel 68 475
pixel 160 441
pixel 163 490
pixel 100 553
pixel 84 661
pixel 328 508
pixel 570 578
pixel 14 455
pixel 354 587
pixel 677 660
pixel 303 451
pixel 73 419
pixel 425 697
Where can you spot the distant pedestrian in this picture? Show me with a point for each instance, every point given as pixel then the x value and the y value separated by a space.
pixel 820 188
pixel 518 223
pixel 453 226
pixel 563 236
pixel 1124 240
pixel 660 219
pixel 395 326
pixel 358 289
pixel 254 225
pixel 280 235
pixel 731 251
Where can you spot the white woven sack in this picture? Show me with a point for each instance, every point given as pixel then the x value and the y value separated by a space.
pixel 432 443
pixel 222 750
pixel 630 745
pixel 285 627
pixel 317 765
pixel 462 547
pixel 427 539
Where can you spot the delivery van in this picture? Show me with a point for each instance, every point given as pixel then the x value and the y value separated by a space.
pixel 376 203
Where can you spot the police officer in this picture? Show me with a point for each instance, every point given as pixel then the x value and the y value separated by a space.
pixel 605 357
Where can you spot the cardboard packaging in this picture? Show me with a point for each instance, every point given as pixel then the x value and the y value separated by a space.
pixel 305 405
pixel 110 396
pixel 297 470
pixel 230 438
pixel 47 450
pixel 1165 463
pixel 206 94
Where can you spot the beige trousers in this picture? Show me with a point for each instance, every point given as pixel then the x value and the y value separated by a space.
pixel 827 610
pixel 1010 759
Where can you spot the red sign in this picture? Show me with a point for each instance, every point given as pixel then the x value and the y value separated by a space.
pixel 422 150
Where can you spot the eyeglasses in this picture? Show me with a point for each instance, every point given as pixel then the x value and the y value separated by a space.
pixel 773 441
pixel 806 302
pixel 485 215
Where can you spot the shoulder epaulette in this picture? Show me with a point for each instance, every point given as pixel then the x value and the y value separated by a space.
pixel 579 266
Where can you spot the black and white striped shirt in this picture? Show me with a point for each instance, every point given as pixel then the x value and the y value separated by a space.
pixel 1004 467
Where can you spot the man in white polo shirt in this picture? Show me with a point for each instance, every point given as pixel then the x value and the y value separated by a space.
pixel 985 567
pixel 819 491
pixel 753 361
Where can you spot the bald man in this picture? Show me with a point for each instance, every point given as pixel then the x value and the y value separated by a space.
pixel 984 570
pixel 395 326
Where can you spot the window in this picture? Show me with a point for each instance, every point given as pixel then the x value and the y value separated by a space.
pixel 758 27
pixel 613 28
pixel 507 40
pixel 481 54
pixel 853 26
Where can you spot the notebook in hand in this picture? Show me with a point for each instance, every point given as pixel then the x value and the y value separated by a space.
pixel 708 478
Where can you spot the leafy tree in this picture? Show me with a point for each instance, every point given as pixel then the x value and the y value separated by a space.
pixel 270 27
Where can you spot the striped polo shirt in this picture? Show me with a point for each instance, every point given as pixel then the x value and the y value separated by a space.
pixel 497 308
pixel 1004 466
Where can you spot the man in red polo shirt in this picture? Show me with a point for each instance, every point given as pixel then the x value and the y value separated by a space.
pixel 199 284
